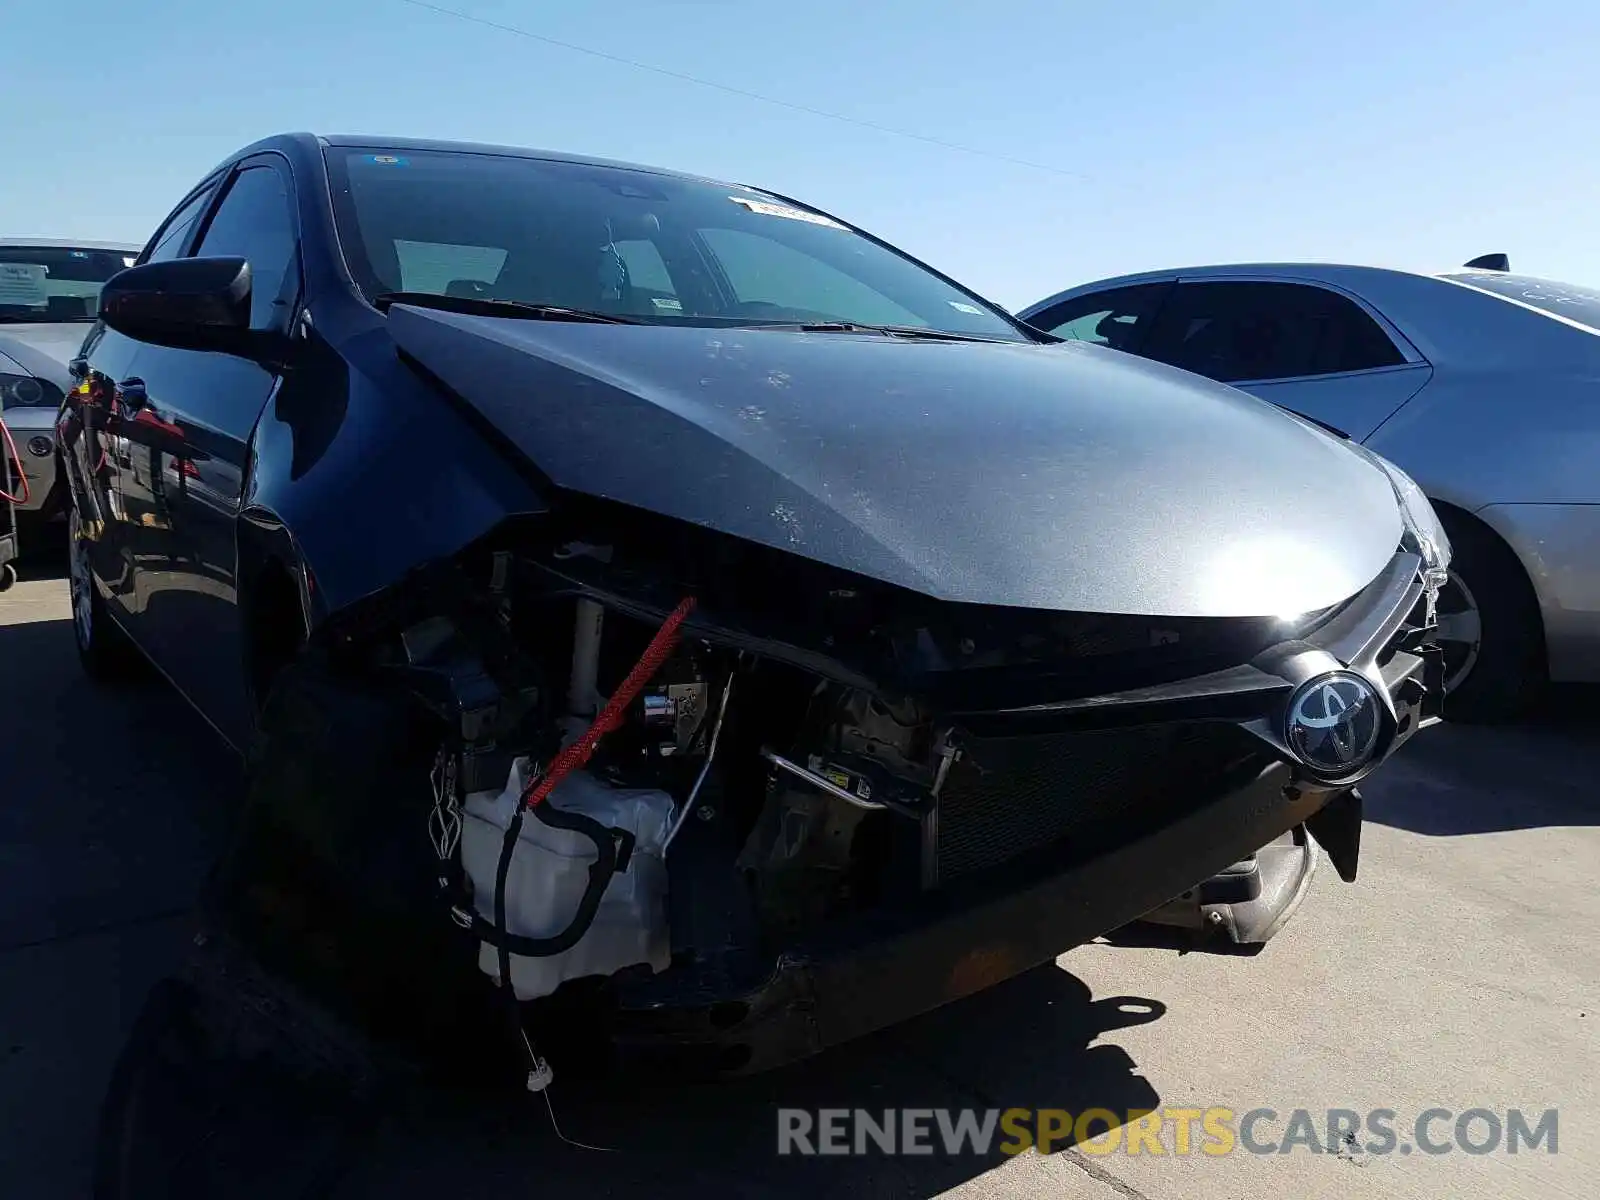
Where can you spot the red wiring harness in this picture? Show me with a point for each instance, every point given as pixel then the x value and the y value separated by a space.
pixel 579 752
pixel 11 452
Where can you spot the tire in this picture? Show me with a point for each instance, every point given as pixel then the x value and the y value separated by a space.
pixel 106 652
pixel 331 882
pixel 1499 675
pixel 186 1114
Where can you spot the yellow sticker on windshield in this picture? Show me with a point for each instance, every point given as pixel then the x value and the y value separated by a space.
pixel 768 209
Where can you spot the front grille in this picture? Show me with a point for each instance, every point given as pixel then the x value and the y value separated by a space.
pixel 1008 795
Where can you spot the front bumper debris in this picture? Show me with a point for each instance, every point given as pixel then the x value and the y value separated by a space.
pixel 889 967
pixel 1258 830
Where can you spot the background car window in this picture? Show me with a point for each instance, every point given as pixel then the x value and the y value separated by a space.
pixel 1241 332
pixel 647 270
pixel 442 268
pixel 1116 317
pixel 771 279
pixel 174 235
pixel 254 223
pixel 54 283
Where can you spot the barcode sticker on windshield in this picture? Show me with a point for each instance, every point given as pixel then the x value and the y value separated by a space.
pixel 22 283
pixel 768 209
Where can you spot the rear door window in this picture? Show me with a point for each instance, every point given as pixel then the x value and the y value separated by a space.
pixel 1239 332
pixel 1116 317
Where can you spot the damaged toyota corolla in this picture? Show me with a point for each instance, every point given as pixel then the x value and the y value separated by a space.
pixel 665 596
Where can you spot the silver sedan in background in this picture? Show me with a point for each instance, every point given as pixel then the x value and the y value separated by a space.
pixel 49 298
pixel 1482 385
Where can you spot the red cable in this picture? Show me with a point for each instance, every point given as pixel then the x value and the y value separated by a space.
pixel 22 474
pixel 579 752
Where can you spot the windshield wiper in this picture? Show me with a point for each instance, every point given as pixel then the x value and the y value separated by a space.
pixel 915 332
pixel 483 306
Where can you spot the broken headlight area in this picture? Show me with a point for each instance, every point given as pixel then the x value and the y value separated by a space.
pixel 815 764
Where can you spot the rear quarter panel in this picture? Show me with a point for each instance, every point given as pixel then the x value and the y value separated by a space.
pixel 1512 412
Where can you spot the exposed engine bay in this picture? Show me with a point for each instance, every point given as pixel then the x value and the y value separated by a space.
pixel 740 785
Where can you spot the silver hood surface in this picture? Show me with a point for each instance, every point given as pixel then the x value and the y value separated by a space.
pixel 1060 476
pixel 59 340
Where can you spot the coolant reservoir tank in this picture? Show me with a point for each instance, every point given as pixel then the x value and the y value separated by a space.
pixel 550 870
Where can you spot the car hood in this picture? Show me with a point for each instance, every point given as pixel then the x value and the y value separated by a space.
pixel 1058 476
pixel 60 341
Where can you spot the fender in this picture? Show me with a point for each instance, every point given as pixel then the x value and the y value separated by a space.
pixel 319 457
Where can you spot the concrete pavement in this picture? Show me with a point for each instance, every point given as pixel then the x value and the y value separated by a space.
pixel 1461 970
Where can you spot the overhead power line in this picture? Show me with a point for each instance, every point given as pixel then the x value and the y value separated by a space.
pixel 685 77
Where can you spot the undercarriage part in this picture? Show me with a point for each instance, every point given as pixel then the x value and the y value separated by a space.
pixel 1249 901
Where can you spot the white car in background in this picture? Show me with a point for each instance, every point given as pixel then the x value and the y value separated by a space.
pixel 49 299
pixel 1482 385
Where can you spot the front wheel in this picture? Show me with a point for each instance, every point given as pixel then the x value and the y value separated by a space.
pixel 1490 630
pixel 103 648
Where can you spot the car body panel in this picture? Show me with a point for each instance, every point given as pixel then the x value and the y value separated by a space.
pixel 1559 544
pixel 28 424
pixel 985 473
pixel 1356 403
pixel 1506 427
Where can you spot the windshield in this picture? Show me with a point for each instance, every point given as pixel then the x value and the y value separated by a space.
pixel 1578 304
pixel 55 283
pixel 628 243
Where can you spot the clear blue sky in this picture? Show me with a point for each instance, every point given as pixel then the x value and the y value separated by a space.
pixel 1407 134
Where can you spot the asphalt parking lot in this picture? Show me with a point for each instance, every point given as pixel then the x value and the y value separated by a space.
pixel 1462 970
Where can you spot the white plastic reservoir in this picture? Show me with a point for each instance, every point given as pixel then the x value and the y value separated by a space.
pixel 550 872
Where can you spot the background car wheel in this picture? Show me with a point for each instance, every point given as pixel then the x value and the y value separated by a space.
pixel 1489 629
pixel 103 648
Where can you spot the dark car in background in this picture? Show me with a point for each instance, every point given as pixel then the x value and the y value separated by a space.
pixel 659 594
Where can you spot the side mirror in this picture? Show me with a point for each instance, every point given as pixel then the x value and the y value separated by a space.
pixel 188 303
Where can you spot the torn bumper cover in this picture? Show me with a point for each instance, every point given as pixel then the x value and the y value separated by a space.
pixel 992 924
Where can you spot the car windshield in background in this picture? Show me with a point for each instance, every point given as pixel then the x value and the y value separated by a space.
pixel 55 283
pixel 627 243
pixel 1578 304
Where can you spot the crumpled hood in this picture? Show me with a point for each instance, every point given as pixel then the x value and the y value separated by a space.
pixel 1042 476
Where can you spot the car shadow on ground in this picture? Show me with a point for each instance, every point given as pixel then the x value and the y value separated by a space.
pixel 1464 779
pixel 1029 1043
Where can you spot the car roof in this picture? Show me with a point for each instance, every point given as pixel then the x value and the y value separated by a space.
pixel 375 141
pixel 1349 274
pixel 69 244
